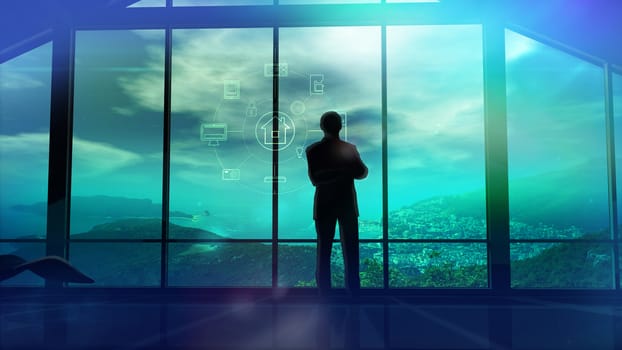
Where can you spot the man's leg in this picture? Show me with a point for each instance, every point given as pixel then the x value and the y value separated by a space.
pixel 349 232
pixel 325 229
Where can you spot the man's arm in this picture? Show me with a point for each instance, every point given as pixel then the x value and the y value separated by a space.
pixel 359 169
pixel 327 176
pixel 351 167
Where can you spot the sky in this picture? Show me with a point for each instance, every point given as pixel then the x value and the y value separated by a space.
pixel 435 119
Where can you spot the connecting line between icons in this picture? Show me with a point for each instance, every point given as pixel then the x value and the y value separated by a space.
pixel 218 159
pixel 244 161
pixel 222 166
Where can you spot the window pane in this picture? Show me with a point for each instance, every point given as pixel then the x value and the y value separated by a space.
pixel 218 167
pixel 556 143
pixel 436 132
pixel 220 264
pixel 221 2
pixel 118 264
pixel 617 122
pixel 439 265
pixel 371 267
pixel 561 265
pixel 300 2
pixel 118 123
pixel 27 252
pixel 315 83
pixel 297 263
pixel 25 85
pixel 149 3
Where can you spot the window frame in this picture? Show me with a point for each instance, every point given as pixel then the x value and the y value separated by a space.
pixel 275 16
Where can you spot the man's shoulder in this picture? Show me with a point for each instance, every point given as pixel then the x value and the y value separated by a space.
pixel 348 144
pixel 314 146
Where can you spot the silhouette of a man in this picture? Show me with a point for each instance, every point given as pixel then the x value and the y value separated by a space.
pixel 333 166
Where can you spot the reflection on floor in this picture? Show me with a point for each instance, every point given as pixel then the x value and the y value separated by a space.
pixel 165 322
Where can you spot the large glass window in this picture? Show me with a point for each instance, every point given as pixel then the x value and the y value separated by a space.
pixel 412 1
pixel 332 68
pixel 436 154
pixel 220 2
pixel 149 3
pixel 300 2
pixel 617 123
pixel 342 74
pixel 557 166
pixel 220 169
pixel 25 86
pixel 116 189
pixel 236 180
pixel 24 143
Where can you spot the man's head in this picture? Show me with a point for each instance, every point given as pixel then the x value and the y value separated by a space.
pixel 330 123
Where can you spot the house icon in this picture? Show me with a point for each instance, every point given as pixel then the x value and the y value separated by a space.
pixel 272 136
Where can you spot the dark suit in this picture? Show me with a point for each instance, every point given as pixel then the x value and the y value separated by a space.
pixel 333 166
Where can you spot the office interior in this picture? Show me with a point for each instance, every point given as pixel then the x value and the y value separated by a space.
pixel 154 152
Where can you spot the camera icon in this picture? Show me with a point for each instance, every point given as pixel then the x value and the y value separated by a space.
pixel 230 174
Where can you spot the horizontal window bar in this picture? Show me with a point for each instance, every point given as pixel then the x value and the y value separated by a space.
pixel 281 16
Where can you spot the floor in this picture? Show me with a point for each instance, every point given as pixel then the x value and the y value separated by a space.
pixel 239 321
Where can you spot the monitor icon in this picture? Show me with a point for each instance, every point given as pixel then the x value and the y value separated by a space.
pixel 213 133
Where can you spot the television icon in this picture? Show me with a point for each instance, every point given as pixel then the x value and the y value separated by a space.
pixel 213 133
pixel 231 174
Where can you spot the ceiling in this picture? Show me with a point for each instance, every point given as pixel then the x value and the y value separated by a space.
pixel 591 26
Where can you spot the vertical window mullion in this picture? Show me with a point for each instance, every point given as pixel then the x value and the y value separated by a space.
pixel 611 166
pixel 385 199
pixel 496 150
pixel 166 156
pixel 275 161
pixel 60 152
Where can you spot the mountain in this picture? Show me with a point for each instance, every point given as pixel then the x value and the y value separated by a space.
pixel 227 263
pixel 109 207
pixel 576 196
pixel 550 205
pixel 139 228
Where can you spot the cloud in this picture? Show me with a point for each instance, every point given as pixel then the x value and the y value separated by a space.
pixel 518 46
pixel 16 81
pixel 124 111
pixel 435 90
pixel 95 158
pixel 199 159
pixel 25 145
pixel 24 155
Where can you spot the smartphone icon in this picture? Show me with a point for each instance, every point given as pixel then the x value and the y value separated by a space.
pixel 316 84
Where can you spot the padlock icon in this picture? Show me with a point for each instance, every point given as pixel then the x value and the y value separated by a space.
pixel 251 110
